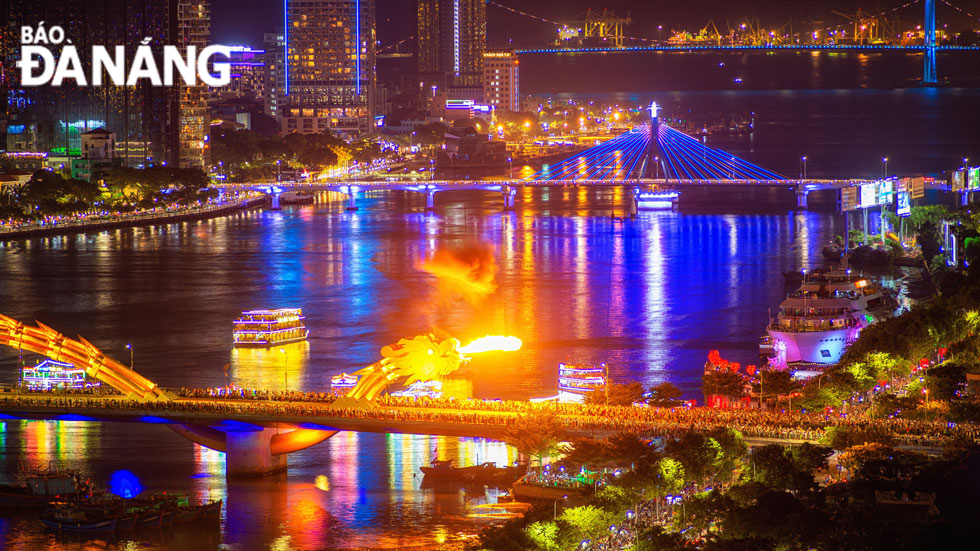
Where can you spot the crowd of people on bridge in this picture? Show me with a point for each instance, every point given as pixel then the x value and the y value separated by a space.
pixel 298 406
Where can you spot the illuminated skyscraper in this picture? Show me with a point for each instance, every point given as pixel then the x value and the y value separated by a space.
pixel 152 124
pixel 500 80
pixel 451 38
pixel 329 74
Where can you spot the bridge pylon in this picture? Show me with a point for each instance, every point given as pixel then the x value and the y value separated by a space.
pixel 650 165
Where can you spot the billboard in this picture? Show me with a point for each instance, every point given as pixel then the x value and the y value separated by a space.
pixel 904 206
pixel 959 180
pixel 902 184
pixel 918 188
pixel 973 177
pixel 869 195
pixel 885 190
pixel 848 199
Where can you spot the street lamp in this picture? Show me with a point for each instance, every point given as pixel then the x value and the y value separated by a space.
pixel 733 168
pixel 129 347
pixel 511 161
pixel 884 167
pixel 285 372
pixel 432 170
pixel 803 172
pixel 657 159
pixel 221 170
pixel 278 172
pixel 556 506
pixel 660 30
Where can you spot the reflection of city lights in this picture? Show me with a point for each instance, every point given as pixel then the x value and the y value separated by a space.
pixel 322 483
pixel 441 534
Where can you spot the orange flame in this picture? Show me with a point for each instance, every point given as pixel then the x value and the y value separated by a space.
pixel 492 343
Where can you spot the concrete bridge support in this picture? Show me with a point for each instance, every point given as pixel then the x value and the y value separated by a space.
pixel 801 194
pixel 252 451
pixel 509 197
pixel 275 200
pixel 352 199
pixel 430 202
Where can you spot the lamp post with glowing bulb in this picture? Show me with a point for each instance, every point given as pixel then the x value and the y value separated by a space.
pixel 555 516
pixel 129 346
pixel 884 167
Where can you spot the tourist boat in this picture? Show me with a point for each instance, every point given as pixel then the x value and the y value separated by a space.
pixel 816 323
pixel 340 384
pixel 487 472
pixel 574 382
pixel 41 487
pixel 421 389
pixel 297 198
pixel 51 374
pixel 657 199
pixel 267 328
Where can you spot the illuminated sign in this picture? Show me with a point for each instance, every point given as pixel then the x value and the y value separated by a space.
pixel 959 180
pixel 973 177
pixel 869 195
pixel 904 207
pixel 885 189
pixel 848 199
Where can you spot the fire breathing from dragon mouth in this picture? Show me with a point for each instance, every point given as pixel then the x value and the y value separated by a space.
pixel 492 343
pixel 423 358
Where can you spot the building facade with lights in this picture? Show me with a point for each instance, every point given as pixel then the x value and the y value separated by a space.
pixel 328 75
pixel 501 80
pixel 152 124
pixel 451 38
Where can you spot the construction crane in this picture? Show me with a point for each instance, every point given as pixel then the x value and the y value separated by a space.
pixel 870 29
pixel 603 26
pixel 706 35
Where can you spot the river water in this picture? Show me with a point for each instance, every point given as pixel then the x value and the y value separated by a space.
pixel 649 296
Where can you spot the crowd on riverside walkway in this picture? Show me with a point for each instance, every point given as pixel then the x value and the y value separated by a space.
pixel 650 422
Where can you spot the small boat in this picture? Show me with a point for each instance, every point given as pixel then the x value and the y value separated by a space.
pixel 126 523
pixel 212 510
pixel 149 519
pixel 106 526
pixel 340 384
pixel 41 487
pixel 444 470
pixel 574 382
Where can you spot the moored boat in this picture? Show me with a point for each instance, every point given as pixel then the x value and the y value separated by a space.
pixel 574 381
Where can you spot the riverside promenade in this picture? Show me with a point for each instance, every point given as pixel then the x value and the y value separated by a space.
pixel 112 222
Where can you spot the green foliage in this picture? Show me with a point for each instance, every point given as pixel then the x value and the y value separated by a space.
pixel 945 379
pixel 840 438
pixel 588 521
pixel 775 467
pixel 537 434
pixel 669 477
pixel 585 452
pixel 875 460
pixel 777 382
pixel 618 394
pixel 723 382
pixel 627 448
pixel 664 395
pixel 543 535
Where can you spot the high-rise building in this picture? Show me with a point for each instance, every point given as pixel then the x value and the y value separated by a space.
pixel 450 39
pixel 190 110
pixel 152 124
pixel 329 73
pixel 501 87
pixel 247 76
pixel 275 74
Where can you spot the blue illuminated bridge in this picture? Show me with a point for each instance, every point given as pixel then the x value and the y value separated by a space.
pixel 633 160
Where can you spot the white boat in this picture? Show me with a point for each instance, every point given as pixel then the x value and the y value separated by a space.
pixel 268 328
pixel 657 199
pixel 574 381
pixel 827 313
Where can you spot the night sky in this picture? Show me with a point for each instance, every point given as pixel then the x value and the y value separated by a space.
pixel 244 21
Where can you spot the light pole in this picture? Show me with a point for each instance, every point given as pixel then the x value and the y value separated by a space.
pixel 285 372
pixel 803 171
pixel 605 368
pixel 129 347
pixel 511 161
pixel 733 168
pixel 278 172
pixel 432 170
pixel 884 167
pixel 660 35
pixel 221 170
pixel 556 506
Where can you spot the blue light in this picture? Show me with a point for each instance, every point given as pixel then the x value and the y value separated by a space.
pixel 125 484
pixel 357 24
pixel 285 44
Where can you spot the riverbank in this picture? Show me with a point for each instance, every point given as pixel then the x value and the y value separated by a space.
pixel 145 219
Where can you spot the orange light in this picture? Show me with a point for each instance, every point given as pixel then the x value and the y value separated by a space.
pixel 492 343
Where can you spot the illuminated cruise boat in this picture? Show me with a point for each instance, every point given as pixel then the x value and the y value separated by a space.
pixel 817 322
pixel 340 384
pixel 266 328
pixel 657 199
pixel 51 374
pixel 574 382
pixel 421 389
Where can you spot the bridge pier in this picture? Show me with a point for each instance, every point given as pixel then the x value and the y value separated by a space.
pixel 249 453
pixel 801 194
pixel 275 200
pixel 509 197
pixel 352 199
pixel 634 202
pixel 430 200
